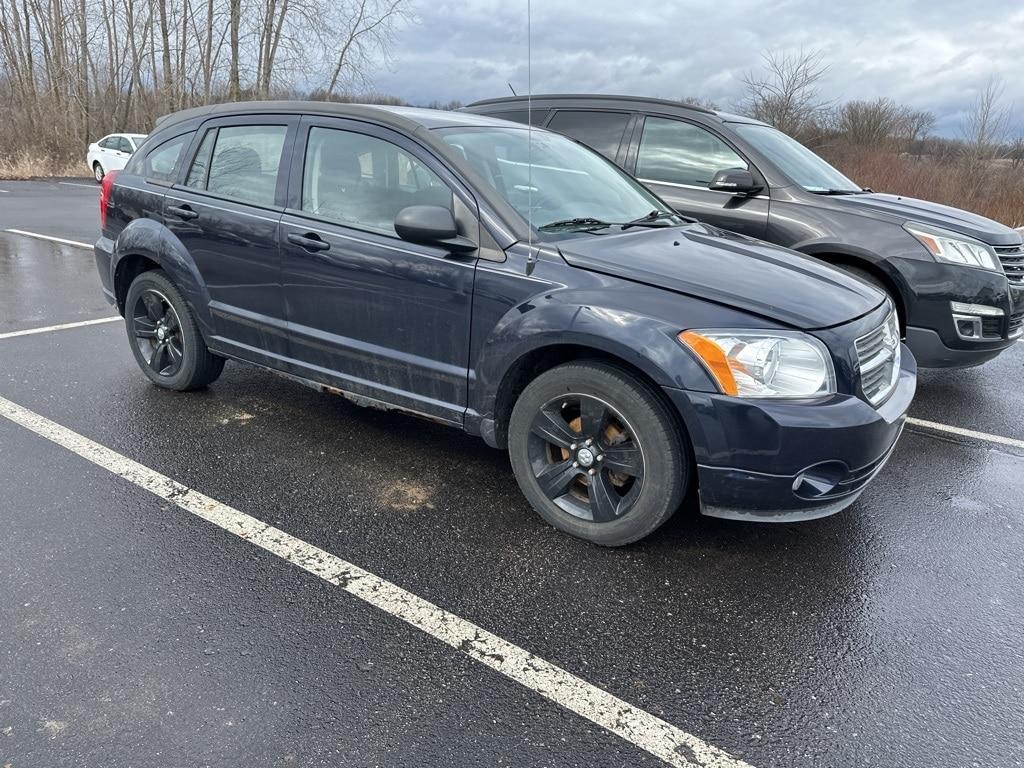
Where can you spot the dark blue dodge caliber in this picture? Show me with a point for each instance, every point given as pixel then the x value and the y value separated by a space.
pixel 517 285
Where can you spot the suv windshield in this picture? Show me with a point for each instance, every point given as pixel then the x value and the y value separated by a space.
pixel 568 187
pixel 795 160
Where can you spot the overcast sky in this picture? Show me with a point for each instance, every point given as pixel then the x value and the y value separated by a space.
pixel 932 55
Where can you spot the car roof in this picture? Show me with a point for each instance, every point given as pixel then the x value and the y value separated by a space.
pixel 611 100
pixel 407 118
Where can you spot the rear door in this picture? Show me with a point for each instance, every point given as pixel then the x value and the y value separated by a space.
pixel 677 159
pixel 602 130
pixel 225 210
pixel 367 311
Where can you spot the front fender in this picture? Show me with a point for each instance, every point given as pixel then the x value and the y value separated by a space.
pixel 638 340
pixel 152 240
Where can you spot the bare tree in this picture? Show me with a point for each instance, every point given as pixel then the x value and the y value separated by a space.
pixel 985 127
pixel 916 127
pixel 785 94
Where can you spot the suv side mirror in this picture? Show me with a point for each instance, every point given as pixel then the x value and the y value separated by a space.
pixel 739 181
pixel 431 225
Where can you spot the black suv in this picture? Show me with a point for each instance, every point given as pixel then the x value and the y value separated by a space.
pixel 515 284
pixel 957 279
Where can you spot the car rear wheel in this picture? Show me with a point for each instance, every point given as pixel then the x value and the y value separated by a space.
pixel 597 453
pixel 165 338
pixel 98 172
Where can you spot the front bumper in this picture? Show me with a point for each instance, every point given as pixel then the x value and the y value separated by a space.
pixel 783 461
pixel 931 331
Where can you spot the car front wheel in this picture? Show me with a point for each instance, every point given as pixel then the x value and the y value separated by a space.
pixel 597 453
pixel 164 336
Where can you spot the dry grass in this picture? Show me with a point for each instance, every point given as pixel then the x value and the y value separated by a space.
pixel 995 190
pixel 30 165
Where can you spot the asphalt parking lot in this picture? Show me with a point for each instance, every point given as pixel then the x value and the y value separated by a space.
pixel 141 625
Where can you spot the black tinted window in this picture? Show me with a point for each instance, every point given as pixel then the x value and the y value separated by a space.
pixel 352 178
pixel 161 161
pixel 534 117
pixel 197 173
pixel 598 130
pixel 245 162
pixel 682 153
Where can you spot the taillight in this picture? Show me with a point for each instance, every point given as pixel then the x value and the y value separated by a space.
pixel 105 191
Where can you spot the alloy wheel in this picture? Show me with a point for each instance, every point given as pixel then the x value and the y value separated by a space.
pixel 158 334
pixel 586 457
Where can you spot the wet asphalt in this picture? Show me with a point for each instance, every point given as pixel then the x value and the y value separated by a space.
pixel 134 634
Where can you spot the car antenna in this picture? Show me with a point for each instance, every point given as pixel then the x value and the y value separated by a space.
pixel 531 257
pixel 512 89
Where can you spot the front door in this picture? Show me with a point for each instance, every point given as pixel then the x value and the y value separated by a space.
pixel 367 312
pixel 225 211
pixel 677 159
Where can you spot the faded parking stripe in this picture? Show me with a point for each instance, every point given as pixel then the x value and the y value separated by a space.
pixel 51 238
pixel 968 433
pixel 61 327
pixel 650 733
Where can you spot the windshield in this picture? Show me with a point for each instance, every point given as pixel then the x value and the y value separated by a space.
pixel 569 186
pixel 795 160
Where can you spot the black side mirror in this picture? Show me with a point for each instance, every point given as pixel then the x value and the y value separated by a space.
pixel 431 225
pixel 739 181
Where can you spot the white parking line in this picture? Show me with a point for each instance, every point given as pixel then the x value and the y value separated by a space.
pixel 62 327
pixel 644 730
pixel 961 432
pixel 76 184
pixel 63 241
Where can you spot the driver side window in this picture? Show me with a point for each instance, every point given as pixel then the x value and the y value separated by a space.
pixel 359 180
pixel 675 152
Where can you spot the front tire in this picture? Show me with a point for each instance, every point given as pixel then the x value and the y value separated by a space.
pixel 597 453
pixel 165 337
pixel 98 172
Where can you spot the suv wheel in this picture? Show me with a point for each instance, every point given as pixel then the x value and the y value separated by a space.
pixel 597 453
pixel 164 335
pixel 98 173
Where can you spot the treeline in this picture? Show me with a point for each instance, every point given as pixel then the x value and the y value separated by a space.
pixel 73 70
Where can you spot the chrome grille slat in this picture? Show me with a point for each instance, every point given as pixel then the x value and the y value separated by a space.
pixel 1012 259
pixel 878 360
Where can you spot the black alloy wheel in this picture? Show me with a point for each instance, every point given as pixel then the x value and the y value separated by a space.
pixel 586 458
pixel 157 331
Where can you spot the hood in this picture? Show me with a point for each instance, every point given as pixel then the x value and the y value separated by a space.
pixel 742 273
pixel 910 209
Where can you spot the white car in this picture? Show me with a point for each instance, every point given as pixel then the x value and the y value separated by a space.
pixel 111 153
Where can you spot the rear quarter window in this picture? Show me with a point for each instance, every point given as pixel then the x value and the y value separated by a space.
pixel 162 161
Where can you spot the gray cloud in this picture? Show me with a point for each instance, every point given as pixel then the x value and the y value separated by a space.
pixel 931 55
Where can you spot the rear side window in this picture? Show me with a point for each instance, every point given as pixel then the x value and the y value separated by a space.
pixel 359 180
pixel 123 145
pixel 676 152
pixel 602 131
pixel 109 142
pixel 241 162
pixel 161 161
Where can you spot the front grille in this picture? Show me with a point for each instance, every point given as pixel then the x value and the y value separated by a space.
pixel 1012 258
pixel 878 357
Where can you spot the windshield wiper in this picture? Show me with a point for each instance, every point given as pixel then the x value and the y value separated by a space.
pixel 584 221
pixel 836 191
pixel 647 220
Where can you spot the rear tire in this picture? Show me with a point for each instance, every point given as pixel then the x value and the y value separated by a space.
pixel 98 173
pixel 165 337
pixel 597 453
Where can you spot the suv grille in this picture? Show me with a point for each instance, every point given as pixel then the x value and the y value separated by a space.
pixel 878 355
pixel 1016 324
pixel 1012 258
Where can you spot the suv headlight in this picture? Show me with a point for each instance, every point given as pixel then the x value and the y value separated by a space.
pixel 773 364
pixel 951 248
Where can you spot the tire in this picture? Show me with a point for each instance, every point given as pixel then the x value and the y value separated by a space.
pixel 632 476
pixel 874 282
pixel 164 336
pixel 98 173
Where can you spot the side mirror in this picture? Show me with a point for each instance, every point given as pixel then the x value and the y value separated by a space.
pixel 739 181
pixel 431 225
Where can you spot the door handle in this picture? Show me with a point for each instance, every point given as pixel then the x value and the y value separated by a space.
pixel 309 241
pixel 182 212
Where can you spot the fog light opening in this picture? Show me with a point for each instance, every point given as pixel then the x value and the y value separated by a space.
pixel 820 480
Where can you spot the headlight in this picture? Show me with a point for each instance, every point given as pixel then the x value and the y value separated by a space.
pixel 776 364
pixel 952 248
